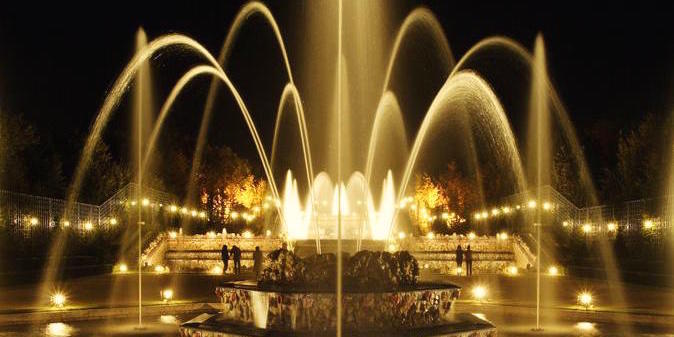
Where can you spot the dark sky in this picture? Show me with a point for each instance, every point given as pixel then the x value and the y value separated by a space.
pixel 612 63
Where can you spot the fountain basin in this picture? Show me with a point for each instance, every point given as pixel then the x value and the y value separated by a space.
pixel 250 310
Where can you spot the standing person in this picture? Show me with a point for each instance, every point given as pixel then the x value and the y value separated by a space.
pixel 224 253
pixel 257 261
pixel 469 261
pixel 236 254
pixel 459 260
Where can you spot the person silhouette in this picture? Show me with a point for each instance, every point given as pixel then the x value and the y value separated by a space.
pixel 469 261
pixel 459 260
pixel 236 255
pixel 224 253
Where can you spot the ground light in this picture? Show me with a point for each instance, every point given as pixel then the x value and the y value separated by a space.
pixel 166 295
pixel 584 326
pixel 459 271
pixel 122 268
pixel 479 292
pixel 553 271
pixel 58 299
pixel 585 299
pixel 216 270
pixel 512 270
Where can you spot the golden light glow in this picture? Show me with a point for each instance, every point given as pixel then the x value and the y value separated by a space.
pixel 113 221
pixel 392 247
pixel 585 326
pixel 479 292
pixel 247 234
pixel 211 234
pixel 66 223
pixel 611 226
pixel 445 215
pixel 58 299
pixel 502 236
pixel 146 202
pixel 33 221
pixel 585 299
pixel 531 204
pixel 194 213
pixel 202 214
pixel 587 228
pixel 166 295
pixel 59 329
pixel 495 211
pixel 648 224
pixel 184 210
pixel 159 269
pixel 506 210
pixel 173 208
pixel 565 223
pixel 173 234
pixel 234 215
pixel 553 271
pixel 122 268
pixel 88 226
pixel 402 235
pixel 268 233
pixel 430 235
pixel 471 235
pixel 216 270
pixel 513 271
pixel 547 206
pixel 459 270
pixel 477 216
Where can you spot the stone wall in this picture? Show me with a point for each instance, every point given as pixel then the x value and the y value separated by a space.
pixel 201 253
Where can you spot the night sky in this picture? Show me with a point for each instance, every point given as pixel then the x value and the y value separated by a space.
pixel 611 63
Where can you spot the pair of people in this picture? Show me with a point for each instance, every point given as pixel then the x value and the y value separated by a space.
pixel 235 252
pixel 468 254
pixel 236 256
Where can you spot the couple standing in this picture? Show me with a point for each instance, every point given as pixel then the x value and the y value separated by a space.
pixel 460 254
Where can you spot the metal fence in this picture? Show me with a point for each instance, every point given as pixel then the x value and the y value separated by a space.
pixel 30 214
pixel 651 214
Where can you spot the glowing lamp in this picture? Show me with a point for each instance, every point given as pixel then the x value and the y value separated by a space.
pixel 173 208
pixel 553 271
pixel 216 270
pixel 547 206
pixel 66 223
pixel 183 210
pixel 479 292
pixel 122 268
pixel 648 224
pixel 477 216
pixel 58 299
pixel 471 235
pixel 268 233
pixel 247 234
pixel 166 295
pixel 513 271
pixel 611 226
pixel 495 211
pixel 531 204
pixel 33 221
pixel 402 235
pixel 585 299
pixel 211 235
pixel 145 202
pixel 173 234
pixel 113 221
pixel 430 235
pixel 159 269
pixel 459 270
pixel 88 226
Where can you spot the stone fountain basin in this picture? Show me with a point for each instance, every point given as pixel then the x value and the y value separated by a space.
pixel 292 309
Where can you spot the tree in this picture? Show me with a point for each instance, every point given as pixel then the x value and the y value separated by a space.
pixel 640 164
pixel 27 163
pixel 461 193
pixel 565 177
pixel 227 185
pixel 428 196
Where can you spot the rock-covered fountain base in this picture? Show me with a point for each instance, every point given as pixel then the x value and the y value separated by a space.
pixel 296 297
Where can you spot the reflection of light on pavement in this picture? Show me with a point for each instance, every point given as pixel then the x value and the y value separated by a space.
pixel 59 330
pixel 585 326
pixel 480 315
pixel 168 319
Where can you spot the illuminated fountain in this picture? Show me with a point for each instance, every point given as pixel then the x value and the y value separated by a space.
pixel 364 170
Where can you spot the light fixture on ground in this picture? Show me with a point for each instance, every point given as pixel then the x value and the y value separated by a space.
pixel 122 268
pixel 513 271
pixel 166 295
pixel 553 271
pixel 479 292
pixel 585 299
pixel 58 299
